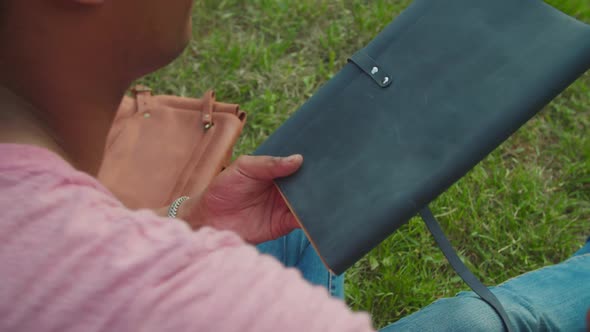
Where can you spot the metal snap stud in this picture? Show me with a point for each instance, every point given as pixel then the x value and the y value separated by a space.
pixel 374 71
pixel 385 80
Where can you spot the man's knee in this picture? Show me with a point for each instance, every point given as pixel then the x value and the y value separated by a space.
pixel 461 313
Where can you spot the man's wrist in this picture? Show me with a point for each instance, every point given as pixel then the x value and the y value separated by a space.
pixel 162 212
pixel 189 211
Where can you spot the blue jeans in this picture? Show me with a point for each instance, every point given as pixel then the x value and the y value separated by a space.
pixel 294 250
pixel 553 298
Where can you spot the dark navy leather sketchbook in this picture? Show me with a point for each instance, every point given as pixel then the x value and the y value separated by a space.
pixel 411 113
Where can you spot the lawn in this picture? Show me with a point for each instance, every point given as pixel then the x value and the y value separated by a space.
pixel 525 206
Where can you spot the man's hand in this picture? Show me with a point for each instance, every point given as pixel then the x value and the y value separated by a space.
pixel 244 199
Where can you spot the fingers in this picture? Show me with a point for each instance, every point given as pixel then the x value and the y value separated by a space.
pixel 266 167
pixel 291 223
pixel 287 223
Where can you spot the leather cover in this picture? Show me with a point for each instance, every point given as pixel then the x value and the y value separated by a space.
pixel 163 147
pixel 435 92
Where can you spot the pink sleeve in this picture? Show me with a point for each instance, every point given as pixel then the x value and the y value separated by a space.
pixel 74 260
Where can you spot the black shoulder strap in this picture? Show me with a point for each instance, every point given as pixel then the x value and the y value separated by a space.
pixel 470 279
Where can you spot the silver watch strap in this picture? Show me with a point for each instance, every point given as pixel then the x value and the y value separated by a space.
pixel 173 209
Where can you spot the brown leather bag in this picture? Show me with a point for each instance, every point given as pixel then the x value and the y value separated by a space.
pixel 162 147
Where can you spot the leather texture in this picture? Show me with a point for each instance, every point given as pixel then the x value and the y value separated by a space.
pixel 162 147
pixel 465 74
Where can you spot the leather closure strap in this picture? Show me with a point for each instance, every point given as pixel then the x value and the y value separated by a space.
pixel 142 95
pixel 208 104
pixel 469 278
pixel 375 71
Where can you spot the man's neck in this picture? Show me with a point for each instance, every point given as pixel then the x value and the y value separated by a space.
pixel 64 98
pixel 19 124
pixel 57 119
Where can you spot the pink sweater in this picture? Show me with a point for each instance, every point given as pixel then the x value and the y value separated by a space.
pixel 72 258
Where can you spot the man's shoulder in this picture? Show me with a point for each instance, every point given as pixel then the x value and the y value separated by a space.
pixel 36 184
pixel 33 171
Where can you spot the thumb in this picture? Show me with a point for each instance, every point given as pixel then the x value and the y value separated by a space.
pixel 266 167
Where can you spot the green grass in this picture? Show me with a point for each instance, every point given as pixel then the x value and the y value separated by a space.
pixel 526 206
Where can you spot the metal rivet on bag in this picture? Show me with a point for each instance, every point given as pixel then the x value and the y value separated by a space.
pixel 208 125
pixel 374 71
pixel 385 80
pixel 146 115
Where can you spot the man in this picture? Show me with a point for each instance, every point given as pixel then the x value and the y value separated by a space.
pixel 75 259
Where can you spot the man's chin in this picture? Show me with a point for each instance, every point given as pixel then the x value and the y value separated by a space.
pixel 181 45
pixel 168 55
pixel 164 53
